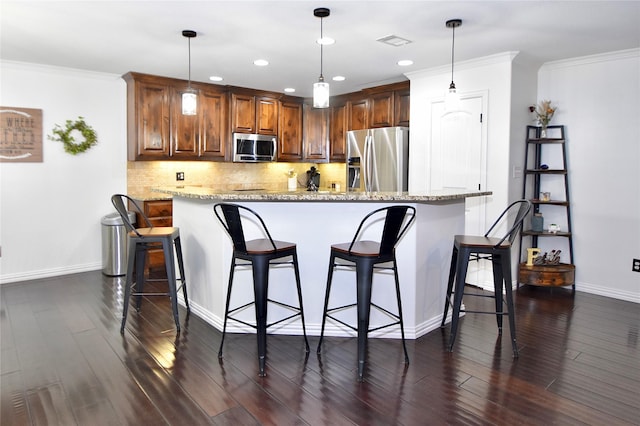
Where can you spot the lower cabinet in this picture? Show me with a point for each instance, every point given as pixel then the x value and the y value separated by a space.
pixel 160 213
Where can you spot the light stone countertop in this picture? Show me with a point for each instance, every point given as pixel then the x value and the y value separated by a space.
pixel 203 193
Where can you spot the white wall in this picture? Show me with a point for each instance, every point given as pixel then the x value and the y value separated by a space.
pixel 599 103
pixel 50 212
pixel 492 75
pixel 598 100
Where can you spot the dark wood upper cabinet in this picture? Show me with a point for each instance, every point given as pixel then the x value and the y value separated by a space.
pixel 147 118
pixel 316 134
pixel 338 131
pixel 381 107
pixel 243 113
pixel 157 130
pixel 254 114
pixel 201 136
pixel 389 105
pixel 401 110
pixel 358 114
pixel 290 137
pixel 214 135
pixel 185 135
pixel 267 110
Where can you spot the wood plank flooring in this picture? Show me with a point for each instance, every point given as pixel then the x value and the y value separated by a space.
pixel 64 362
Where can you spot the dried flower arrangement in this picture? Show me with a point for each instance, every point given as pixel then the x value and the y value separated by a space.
pixel 544 112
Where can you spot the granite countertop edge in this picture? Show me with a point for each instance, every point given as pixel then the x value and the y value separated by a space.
pixel 202 193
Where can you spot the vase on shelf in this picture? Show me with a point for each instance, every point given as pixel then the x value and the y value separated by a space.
pixel 543 132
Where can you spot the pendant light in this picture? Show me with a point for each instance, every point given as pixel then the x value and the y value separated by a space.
pixel 321 88
pixel 452 98
pixel 189 97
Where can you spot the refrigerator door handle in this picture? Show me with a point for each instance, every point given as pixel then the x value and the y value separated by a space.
pixel 367 163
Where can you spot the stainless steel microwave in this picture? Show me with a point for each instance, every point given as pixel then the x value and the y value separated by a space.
pixel 250 148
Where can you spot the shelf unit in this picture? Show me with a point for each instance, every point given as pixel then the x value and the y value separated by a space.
pixel 535 174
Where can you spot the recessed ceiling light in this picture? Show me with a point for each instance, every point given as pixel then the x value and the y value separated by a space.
pixel 393 40
pixel 339 78
pixel 325 41
pixel 215 78
pixel 261 62
pixel 289 89
pixel 405 62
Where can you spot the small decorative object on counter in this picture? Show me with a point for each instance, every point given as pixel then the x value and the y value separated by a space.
pixel 537 222
pixel 313 179
pixel 544 113
pixel 292 180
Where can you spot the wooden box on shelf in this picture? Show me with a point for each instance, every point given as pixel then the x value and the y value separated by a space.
pixel 559 275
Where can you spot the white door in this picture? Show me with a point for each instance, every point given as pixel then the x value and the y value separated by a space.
pixel 458 162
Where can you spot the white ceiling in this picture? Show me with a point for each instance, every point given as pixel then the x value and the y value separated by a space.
pixel 146 36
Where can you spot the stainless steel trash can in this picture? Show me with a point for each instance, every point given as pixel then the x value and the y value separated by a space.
pixel 114 244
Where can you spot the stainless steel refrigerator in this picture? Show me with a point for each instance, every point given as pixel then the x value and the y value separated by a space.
pixel 378 159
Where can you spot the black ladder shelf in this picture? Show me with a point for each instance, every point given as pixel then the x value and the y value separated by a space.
pixel 535 173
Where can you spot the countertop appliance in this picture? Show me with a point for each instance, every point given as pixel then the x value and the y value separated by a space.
pixel 378 159
pixel 252 148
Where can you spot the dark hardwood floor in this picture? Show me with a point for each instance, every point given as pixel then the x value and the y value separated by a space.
pixel 64 362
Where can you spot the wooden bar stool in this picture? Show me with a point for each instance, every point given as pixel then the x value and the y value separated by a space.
pixel 140 240
pixel 498 250
pixel 260 253
pixel 367 256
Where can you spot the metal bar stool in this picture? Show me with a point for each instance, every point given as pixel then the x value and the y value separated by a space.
pixel 260 253
pixel 366 256
pixel 140 241
pixel 498 250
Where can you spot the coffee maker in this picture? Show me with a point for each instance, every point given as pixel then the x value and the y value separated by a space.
pixel 313 179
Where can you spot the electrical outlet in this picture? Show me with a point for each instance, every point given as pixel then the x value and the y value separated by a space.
pixel 180 176
pixel 636 265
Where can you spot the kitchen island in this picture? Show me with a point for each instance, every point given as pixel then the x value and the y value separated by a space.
pixel 314 221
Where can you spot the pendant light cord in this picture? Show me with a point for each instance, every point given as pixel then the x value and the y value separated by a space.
pixel 453 43
pixel 189 38
pixel 321 48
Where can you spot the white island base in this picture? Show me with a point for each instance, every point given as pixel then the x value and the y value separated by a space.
pixel 423 257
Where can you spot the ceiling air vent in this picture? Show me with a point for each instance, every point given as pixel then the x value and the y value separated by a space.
pixel 393 40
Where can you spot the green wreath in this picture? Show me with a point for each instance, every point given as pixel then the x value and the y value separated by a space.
pixel 64 135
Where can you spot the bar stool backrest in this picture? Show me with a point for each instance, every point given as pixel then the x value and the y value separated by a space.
pixel 521 208
pixel 229 216
pixel 397 221
pixel 119 202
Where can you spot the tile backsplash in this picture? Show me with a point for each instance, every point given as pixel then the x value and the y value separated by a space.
pixel 144 175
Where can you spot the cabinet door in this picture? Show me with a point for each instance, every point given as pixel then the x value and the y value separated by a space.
pixel 338 132
pixel 316 133
pixel 185 135
pixel 381 110
pixel 401 109
pixel 243 110
pixel 267 116
pixel 290 138
pixel 213 127
pixel 152 105
pixel 358 114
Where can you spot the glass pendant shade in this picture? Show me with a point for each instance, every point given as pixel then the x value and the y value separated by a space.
pixel 321 94
pixel 452 100
pixel 189 103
